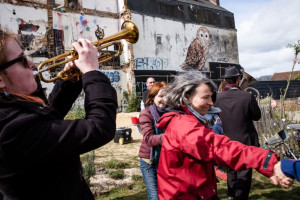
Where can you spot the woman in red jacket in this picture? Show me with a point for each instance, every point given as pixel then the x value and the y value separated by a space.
pixel 190 149
pixel 152 137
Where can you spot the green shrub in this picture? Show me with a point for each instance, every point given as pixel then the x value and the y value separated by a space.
pixel 297 77
pixel 117 174
pixel 115 164
pixel 136 177
pixel 78 113
pixel 133 102
pixel 265 101
pixel 88 166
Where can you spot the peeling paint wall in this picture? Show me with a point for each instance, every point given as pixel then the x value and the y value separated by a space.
pixel 103 5
pixel 30 29
pixel 34 24
pixel 12 16
pixel 61 2
pixel 163 44
pixel 167 42
pixel 118 81
pixel 77 26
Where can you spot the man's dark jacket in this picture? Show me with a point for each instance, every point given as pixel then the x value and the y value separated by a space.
pixel 144 95
pixel 39 151
pixel 239 109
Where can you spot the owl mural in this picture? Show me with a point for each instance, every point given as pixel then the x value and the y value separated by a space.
pixel 197 51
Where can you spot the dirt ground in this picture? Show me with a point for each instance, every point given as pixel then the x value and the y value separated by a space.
pixel 127 152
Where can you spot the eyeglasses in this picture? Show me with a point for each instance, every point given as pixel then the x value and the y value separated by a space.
pixel 22 59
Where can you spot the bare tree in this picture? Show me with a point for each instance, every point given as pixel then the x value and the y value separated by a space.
pixel 296 48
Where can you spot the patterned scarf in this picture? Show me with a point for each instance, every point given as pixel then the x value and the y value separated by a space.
pixel 200 117
pixel 156 114
pixel 232 86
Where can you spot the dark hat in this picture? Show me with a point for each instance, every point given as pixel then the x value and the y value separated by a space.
pixel 231 72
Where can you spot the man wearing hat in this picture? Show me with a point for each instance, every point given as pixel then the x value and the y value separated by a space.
pixel 239 109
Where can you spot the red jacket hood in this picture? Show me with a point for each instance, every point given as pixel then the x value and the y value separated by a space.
pixel 167 117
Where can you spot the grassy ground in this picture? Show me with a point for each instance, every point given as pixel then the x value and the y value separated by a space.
pixel 106 156
pixel 262 189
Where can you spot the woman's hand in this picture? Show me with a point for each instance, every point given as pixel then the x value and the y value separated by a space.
pixel 279 177
pixel 87 56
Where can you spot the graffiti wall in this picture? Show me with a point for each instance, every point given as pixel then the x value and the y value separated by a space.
pixel 118 81
pixel 31 25
pixel 77 26
pixel 30 29
pixel 151 63
pixel 172 45
pixel 103 5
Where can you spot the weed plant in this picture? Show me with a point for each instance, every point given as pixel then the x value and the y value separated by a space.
pixel 88 166
pixel 136 177
pixel 116 174
pixel 115 164
pixel 133 102
pixel 77 113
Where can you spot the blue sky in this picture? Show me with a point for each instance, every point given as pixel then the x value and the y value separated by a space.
pixel 264 28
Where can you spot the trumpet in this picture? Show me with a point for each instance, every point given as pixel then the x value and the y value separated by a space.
pixel 129 32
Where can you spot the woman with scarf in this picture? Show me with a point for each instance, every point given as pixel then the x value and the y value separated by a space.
pixel 190 148
pixel 152 137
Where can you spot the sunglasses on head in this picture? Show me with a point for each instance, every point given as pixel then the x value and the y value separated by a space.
pixel 22 59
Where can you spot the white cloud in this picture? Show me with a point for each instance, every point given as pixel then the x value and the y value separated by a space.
pixel 264 28
pixel 267 63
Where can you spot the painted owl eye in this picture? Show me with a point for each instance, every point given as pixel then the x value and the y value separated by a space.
pixel 201 35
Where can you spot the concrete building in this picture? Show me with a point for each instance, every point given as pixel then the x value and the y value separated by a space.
pixel 180 35
pixel 174 35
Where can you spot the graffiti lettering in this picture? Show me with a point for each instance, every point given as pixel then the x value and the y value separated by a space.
pixel 114 76
pixel 118 87
pixel 150 63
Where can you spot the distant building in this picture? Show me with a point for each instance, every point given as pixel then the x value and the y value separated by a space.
pixel 264 78
pixel 180 35
pixel 174 35
pixel 282 76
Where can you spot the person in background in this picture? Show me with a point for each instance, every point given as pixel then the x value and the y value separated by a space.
pixel 152 137
pixel 190 148
pixel 150 81
pixel 40 151
pixel 239 109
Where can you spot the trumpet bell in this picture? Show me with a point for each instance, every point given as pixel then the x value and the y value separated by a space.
pixel 133 32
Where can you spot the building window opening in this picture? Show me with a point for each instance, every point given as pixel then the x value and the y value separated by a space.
pixel 158 39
